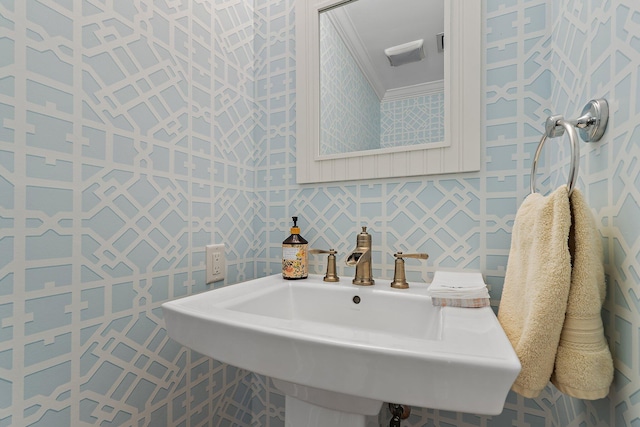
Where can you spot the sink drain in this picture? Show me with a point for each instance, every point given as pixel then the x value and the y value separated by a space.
pixel 356 299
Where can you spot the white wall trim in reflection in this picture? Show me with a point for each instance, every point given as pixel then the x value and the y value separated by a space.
pixel 413 91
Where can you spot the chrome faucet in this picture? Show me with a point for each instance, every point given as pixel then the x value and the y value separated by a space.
pixel 360 257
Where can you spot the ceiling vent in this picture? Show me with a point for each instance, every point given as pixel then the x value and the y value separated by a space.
pixel 405 53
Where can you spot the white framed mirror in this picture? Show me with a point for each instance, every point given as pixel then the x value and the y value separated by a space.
pixel 460 149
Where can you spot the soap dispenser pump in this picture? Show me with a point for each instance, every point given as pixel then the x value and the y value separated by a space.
pixel 295 261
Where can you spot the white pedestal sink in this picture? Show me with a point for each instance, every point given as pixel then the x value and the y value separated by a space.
pixel 312 407
pixel 338 350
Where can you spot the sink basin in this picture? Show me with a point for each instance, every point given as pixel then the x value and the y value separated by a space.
pixel 375 343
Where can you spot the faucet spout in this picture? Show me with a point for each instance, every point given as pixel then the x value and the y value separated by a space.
pixel 353 259
pixel 360 258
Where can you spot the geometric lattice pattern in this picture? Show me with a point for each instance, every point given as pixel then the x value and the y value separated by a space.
pixel 133 133
pixel 416 120
pixel 107 176
pixel 610 67
pixel 349 107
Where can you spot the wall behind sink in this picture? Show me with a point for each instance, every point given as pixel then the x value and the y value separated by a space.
pixel 540 57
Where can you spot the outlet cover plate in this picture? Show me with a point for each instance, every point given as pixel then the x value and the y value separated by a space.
pixel 215 263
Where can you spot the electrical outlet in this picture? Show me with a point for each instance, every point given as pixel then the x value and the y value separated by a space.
pixel 215 263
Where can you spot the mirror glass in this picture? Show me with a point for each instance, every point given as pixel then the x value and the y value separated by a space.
pixel 452 148
pixel 381 75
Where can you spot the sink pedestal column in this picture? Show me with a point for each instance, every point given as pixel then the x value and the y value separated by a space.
pixel 303 414
pixel 313 407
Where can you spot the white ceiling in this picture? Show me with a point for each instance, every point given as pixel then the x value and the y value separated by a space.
pixel 380 24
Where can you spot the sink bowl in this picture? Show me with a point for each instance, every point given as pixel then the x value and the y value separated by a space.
pixel 375 343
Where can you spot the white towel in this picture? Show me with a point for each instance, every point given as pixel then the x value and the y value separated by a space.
pixel 455 284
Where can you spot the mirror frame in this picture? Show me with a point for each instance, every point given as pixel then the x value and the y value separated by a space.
pixel 462 68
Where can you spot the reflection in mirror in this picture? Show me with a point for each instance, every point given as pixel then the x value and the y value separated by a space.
pixel 460 150
pixel 368 103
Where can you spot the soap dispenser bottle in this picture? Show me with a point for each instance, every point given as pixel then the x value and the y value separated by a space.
pixel 295 260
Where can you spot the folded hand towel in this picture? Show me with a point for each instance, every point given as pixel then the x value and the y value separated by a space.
pixel 536 286
pixel 461 302
pixel 583 365
pixel 458 289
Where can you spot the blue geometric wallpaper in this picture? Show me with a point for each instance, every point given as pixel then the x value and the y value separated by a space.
pixel 134 133
pixel 596 53
pixel 107 181
pixel 349 107
pixel 410 121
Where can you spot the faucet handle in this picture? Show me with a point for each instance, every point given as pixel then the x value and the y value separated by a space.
pixel 399 277
pixel 418 256
pixel 323 251
pixel 331 275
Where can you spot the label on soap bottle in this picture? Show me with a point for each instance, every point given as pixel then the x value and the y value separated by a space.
pixel 294 261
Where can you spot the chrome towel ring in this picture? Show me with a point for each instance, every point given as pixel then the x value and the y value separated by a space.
pixel 592 125
pixel 575 153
